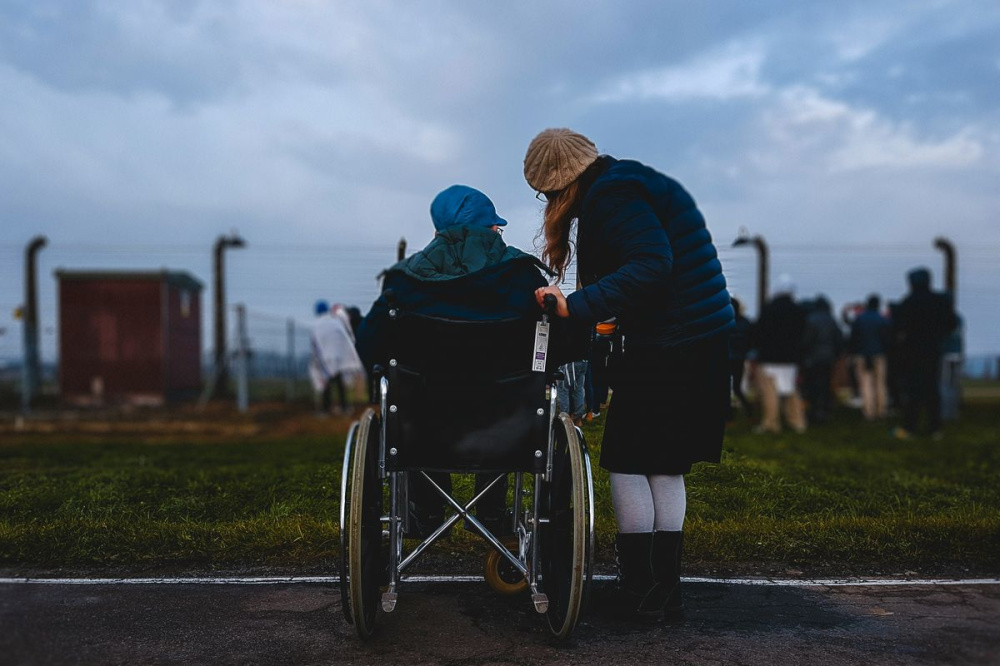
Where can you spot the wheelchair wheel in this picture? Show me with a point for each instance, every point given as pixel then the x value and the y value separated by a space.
pixel 565 541
pixel 500 575
pixel 345 503
pixel 367 550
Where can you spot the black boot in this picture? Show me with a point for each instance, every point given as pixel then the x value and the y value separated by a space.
pixel 635 577
pixel 665 597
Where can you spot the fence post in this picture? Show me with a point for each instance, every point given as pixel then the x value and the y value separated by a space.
pixel 290 391
pixel 221 377
pixel 31 370
pixel 947 248
pixel 242 352
pixel 763 264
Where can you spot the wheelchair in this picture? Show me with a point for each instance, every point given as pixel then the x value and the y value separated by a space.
pixel 469 398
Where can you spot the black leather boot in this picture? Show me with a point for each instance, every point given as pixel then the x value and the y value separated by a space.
pixel 665 559
pixel 635 578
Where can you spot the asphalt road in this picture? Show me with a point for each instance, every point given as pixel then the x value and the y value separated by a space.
pixel 467 625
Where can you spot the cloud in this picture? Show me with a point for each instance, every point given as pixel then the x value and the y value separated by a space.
pixel 847 138
pixel 731 73
pixel 856 38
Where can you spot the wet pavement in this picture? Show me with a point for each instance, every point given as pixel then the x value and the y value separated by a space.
pixel 466 624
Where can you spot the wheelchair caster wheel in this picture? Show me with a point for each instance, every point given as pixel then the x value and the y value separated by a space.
pixel 500 575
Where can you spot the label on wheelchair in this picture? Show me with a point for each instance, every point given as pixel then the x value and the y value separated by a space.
pixel 541 346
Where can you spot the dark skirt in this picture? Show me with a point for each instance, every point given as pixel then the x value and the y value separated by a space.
pixel 668 409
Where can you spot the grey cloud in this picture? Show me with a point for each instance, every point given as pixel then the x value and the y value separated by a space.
pixel 335 121
pixel 121 49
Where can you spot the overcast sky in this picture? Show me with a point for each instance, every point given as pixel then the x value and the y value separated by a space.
pixel 314 124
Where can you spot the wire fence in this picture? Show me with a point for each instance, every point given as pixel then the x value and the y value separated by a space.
pixel 278 353
pixel 278 283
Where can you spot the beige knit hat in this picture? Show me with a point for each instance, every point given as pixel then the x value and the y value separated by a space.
pixel 557 157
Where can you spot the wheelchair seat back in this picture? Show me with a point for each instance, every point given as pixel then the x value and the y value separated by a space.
pixel 463 397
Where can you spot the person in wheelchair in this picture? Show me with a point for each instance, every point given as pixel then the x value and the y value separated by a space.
pixel 468 273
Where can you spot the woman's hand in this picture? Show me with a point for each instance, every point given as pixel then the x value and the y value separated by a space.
pixel 561 309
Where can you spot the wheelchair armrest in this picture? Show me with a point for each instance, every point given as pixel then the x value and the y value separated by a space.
pixel 557 376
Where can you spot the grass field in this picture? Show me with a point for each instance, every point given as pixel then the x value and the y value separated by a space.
pixel 844 499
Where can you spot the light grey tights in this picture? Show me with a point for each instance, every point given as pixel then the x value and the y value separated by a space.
pixel 647 503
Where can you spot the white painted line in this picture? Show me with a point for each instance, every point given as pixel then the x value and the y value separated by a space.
pixel 845 582
pixel 335 580
pixel 270 580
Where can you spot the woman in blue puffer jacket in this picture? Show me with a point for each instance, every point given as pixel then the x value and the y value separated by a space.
pixel 645 257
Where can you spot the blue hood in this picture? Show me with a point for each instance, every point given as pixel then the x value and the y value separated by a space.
pixel 460 205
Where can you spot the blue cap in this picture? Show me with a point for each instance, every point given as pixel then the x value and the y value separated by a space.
pixel 460 205
pixel 322 307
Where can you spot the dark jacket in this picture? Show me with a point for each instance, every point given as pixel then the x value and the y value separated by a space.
pixel 923 320
pixel 870 334
pixel 465 273
pixel 777 336
pixel 646 257
pixel 822 340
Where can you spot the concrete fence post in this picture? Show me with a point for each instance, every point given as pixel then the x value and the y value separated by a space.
pixel 32 366
pixel 242 358
pixel 290 387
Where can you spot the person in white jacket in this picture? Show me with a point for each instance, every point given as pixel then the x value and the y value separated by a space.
pixel 334 358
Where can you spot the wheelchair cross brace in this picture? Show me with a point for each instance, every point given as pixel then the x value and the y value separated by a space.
pixel 390 596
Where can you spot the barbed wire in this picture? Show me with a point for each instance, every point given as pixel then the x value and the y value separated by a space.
pixel 350 270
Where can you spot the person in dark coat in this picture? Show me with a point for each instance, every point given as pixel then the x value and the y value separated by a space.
pixel 777 339
pixel 869 345
pixel 921 324
pixel 822 342
pixel 355 316
pixel 466 272
pixel 739 347
pixel 646 257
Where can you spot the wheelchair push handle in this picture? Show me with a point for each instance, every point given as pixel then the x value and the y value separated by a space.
pixel 549 303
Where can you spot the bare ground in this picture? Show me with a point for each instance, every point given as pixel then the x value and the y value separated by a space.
pixel 466 624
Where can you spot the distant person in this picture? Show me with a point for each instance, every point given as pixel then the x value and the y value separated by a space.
pixel 739 348
pixel 869 344
pixel 466 272
pixel 894 364
pixel 848 314
pixel 921 325
pixel 334 363
pixel 822 343
pixel 571 390
pixel 777 340
pixel 355 317
pixel 951 370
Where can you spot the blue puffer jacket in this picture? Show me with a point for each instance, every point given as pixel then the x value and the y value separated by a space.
pixel 646 257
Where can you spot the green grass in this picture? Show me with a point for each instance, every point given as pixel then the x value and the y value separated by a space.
pixel 237 504
pixel 844 498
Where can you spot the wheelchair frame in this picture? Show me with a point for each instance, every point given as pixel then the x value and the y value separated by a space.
pixel 557 524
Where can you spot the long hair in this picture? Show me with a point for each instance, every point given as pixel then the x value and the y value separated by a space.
pixel 557 223
pixel 560 212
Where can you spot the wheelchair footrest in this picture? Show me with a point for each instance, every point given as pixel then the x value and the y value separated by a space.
pixel 541 602
pixel 389 601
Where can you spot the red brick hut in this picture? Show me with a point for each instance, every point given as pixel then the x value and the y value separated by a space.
pixel 132 337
